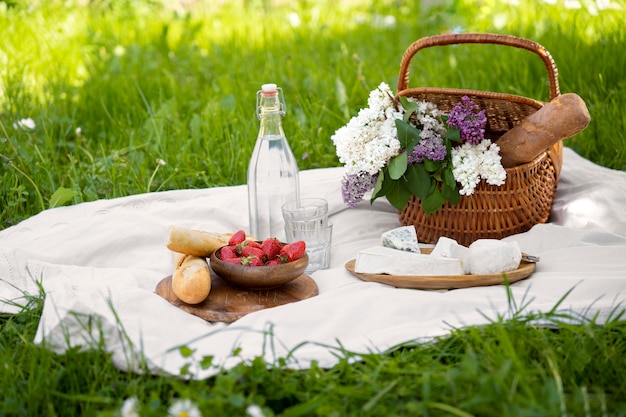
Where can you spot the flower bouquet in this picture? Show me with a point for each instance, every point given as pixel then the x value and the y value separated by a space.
pixel 402 147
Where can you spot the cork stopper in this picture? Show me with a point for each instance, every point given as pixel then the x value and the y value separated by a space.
pixel 269 89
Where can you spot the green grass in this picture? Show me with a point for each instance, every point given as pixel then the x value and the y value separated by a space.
pixel 114 87
pixel 507 368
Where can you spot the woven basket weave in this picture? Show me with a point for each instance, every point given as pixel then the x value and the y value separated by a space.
pixel 492 211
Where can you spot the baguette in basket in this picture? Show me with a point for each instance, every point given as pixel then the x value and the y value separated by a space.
pixel 561 118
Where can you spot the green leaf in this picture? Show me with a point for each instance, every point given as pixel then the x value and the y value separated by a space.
pixel 409 106
pixel 184 370
pixel 399 195
pixel 432 166
pixel 450 193
pixel 453 135
pixel 61 196
pixel 186 351
pixel 397 166
pixel 449 177
pixel 342 97
pixel 380 188
pixel 433 202
pixel 418 180
pixel 206 362
pixel 408 135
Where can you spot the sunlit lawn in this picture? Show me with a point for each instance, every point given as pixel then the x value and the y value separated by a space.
pixel 133 97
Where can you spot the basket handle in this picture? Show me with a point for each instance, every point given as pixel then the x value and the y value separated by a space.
pixel 507 40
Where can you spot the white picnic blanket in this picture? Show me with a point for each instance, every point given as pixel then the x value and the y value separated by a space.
pixel 98 264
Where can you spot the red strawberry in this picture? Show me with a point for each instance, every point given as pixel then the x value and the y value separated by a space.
pixel 235 261
pixel 273 262
pixel 292 251
pixel 251 260
pixel 228 252
pixel 237 237
pixel 271 246
pixel 248 250
pixel 245 243
pixel 254 261
pixel 252 243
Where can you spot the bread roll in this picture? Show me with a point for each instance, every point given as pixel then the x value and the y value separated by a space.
pixel 195 242
pixel 191 278
pixel 561 118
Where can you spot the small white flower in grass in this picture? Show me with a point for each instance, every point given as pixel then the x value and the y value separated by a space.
pixel 130 408
pixel 254 411
pixel 28 124
pixel 386 21
pixel 119 50
pixel 160 162
pixel 184 408
pixel 294 19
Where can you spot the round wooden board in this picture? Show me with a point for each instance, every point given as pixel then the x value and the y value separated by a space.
pixel 227 302
pixel 445 282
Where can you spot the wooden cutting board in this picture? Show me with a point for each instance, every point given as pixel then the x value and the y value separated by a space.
pixel 227 302
pixel 445 282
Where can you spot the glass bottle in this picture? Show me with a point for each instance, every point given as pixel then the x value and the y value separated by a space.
pixel 273 170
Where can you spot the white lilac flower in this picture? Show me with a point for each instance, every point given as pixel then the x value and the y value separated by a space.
pixel 28 124
pixel 369 140
pixel 381 98
pixel 465 168
pixel 254 411
pixel 491 166
pixel 130 408
pixel 470 163
pixel 184 408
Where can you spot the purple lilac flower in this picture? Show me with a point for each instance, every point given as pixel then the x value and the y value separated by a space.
pixel 354 187
pixel 470 122
pixel 432 148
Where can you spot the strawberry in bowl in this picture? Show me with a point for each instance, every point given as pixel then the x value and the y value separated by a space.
pixel 259 264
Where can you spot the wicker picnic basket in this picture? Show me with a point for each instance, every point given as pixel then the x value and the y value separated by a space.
pixel 492 211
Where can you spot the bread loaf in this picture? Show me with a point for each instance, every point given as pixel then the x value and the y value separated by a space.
pixel 195 242
pixel 191 278
pixel 559 119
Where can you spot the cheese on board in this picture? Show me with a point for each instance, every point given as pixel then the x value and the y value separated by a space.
pixel 402 238
pixel 383 260
pixel 492 256
pixel 450 248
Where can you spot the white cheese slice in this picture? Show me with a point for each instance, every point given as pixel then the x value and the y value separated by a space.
pixel 492 256
pixel 383 260
pixel 450 248
pixel 402 238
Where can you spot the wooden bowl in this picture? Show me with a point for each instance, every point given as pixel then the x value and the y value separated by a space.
pixel 258 277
